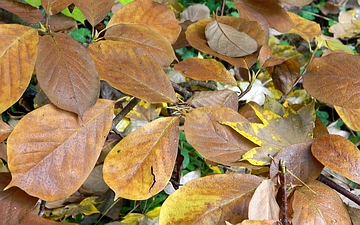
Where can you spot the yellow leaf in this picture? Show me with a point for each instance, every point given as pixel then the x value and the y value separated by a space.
pixel 333 44
pixel 305 28
pixel 132 219
pixel 153 213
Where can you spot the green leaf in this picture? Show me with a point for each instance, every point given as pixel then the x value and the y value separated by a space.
pixel 81 35
pixel 35 3
pixel 124 2
pixel 76 14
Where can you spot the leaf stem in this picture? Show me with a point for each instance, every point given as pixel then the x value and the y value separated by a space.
pixel 282 176
pixel 124 112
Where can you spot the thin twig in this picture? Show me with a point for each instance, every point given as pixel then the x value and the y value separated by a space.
pixel 339 189
pixel 283 181
pixel 198 83
pixel 182 91
pixel 10 17
pixel 125 111
pixel 42 208
pixel 222 7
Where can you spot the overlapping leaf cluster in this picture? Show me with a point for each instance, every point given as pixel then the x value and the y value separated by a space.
pixel 53 149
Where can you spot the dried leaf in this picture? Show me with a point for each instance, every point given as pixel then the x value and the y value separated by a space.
pixel 144 159
pixel 131 71
pixel 53 159
pixel 263 205
pixel 195 34
pixel 3 151
pixel 305 28
pixel 210 200
pixel 285 74
pixel 348 25
pixel 94 10
pixel 354 215
pixel 95 182
pixel 17 61
pixel 66 73
pixel 53 7
pixel 351 117
pixel 24 11
pixel 334 152
pixel 204 70
pixel 228 41
pixel 275 16
pixel 267 60
pixel 61 22
pixel 38 220
pixel 195 12
pixel 212 140
pixel 299 161
pixel 297 2
pixel 333 44
pixel 327 80
pixel 149 13
pixel 324 207
pixel 225 98
pixel 259 222
pixel 144 39
pixel 5 130
pixel 296 127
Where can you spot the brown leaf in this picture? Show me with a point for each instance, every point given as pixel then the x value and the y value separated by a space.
pixel 38 220
pixel 285 74
pixel 210 200
pixel 324 207
pixel 195 12
pixel 5 130
pixel 320 129
pixel 299 161
pixel 354 215
pixel 259 222
pixel 263 205
pixel 351 117
pixel 145 40
pixel 338 154
pixel 227 41
pixel 61 22
pixel 95 182
pixel 24 11
pixel 212 140
pixel 204 70
pixel 327 80
pixel 15 204
pixel 149 13
pixel 276 16
pixel 66 73
pixel 267 60
pixel 225 98
pixel 181 41
pixel 3 152
pixel 297 2
pixel 131 71
pixel 305 28
pixel 17 61
pixel 53 159
pixel 144 159
pixel 195 34
pixel 94 10
pixel 53 7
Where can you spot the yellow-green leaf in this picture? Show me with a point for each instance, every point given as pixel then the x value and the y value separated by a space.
pixel 276 131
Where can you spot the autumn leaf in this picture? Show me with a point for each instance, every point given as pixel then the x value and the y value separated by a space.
pixel 24 11
pixel 66 73
pixel 296 127
pixel 333 44
pixel 131 71
pixel 144 159
pixel 351 117
pixel 204 70
pixel 335 151
pixel 225 98
pixel 57 153
pixel 348 25
pixel 94 10
pixel 149 13
pixel 297 2
pixel 263 205
pixel 212 140
pixel 195 12
pixel 17 61
pixel 305 28
pixel 195 34
pixel 285 74
pixel 5 130
pixel 322 207
pixel 228 41
pixel 53 7
pixel 328 81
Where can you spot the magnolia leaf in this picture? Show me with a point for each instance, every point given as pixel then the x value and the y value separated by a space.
pixel 299 161
pixel 338 86
pixel 322 207
pixel 131 71
pixel 204 70
pixel 53 159
pixel 53 7
pixel 24 11
pixel 212 140
pixel 297 2
pixel 144 159
pixel 210 200
pixel 66 73
pixel 263 205
pixel 228 41
pixel 296 127
pixel 195 34
pixel 195 12
pixel 17 61
pixel 285 74
pixel 94 10
pixel 149 13
pixel 335 151
pixel 5 130
pixel 351 117
pixel 145 40
pixel 270 10
pixel 225 98
pixel 305 28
